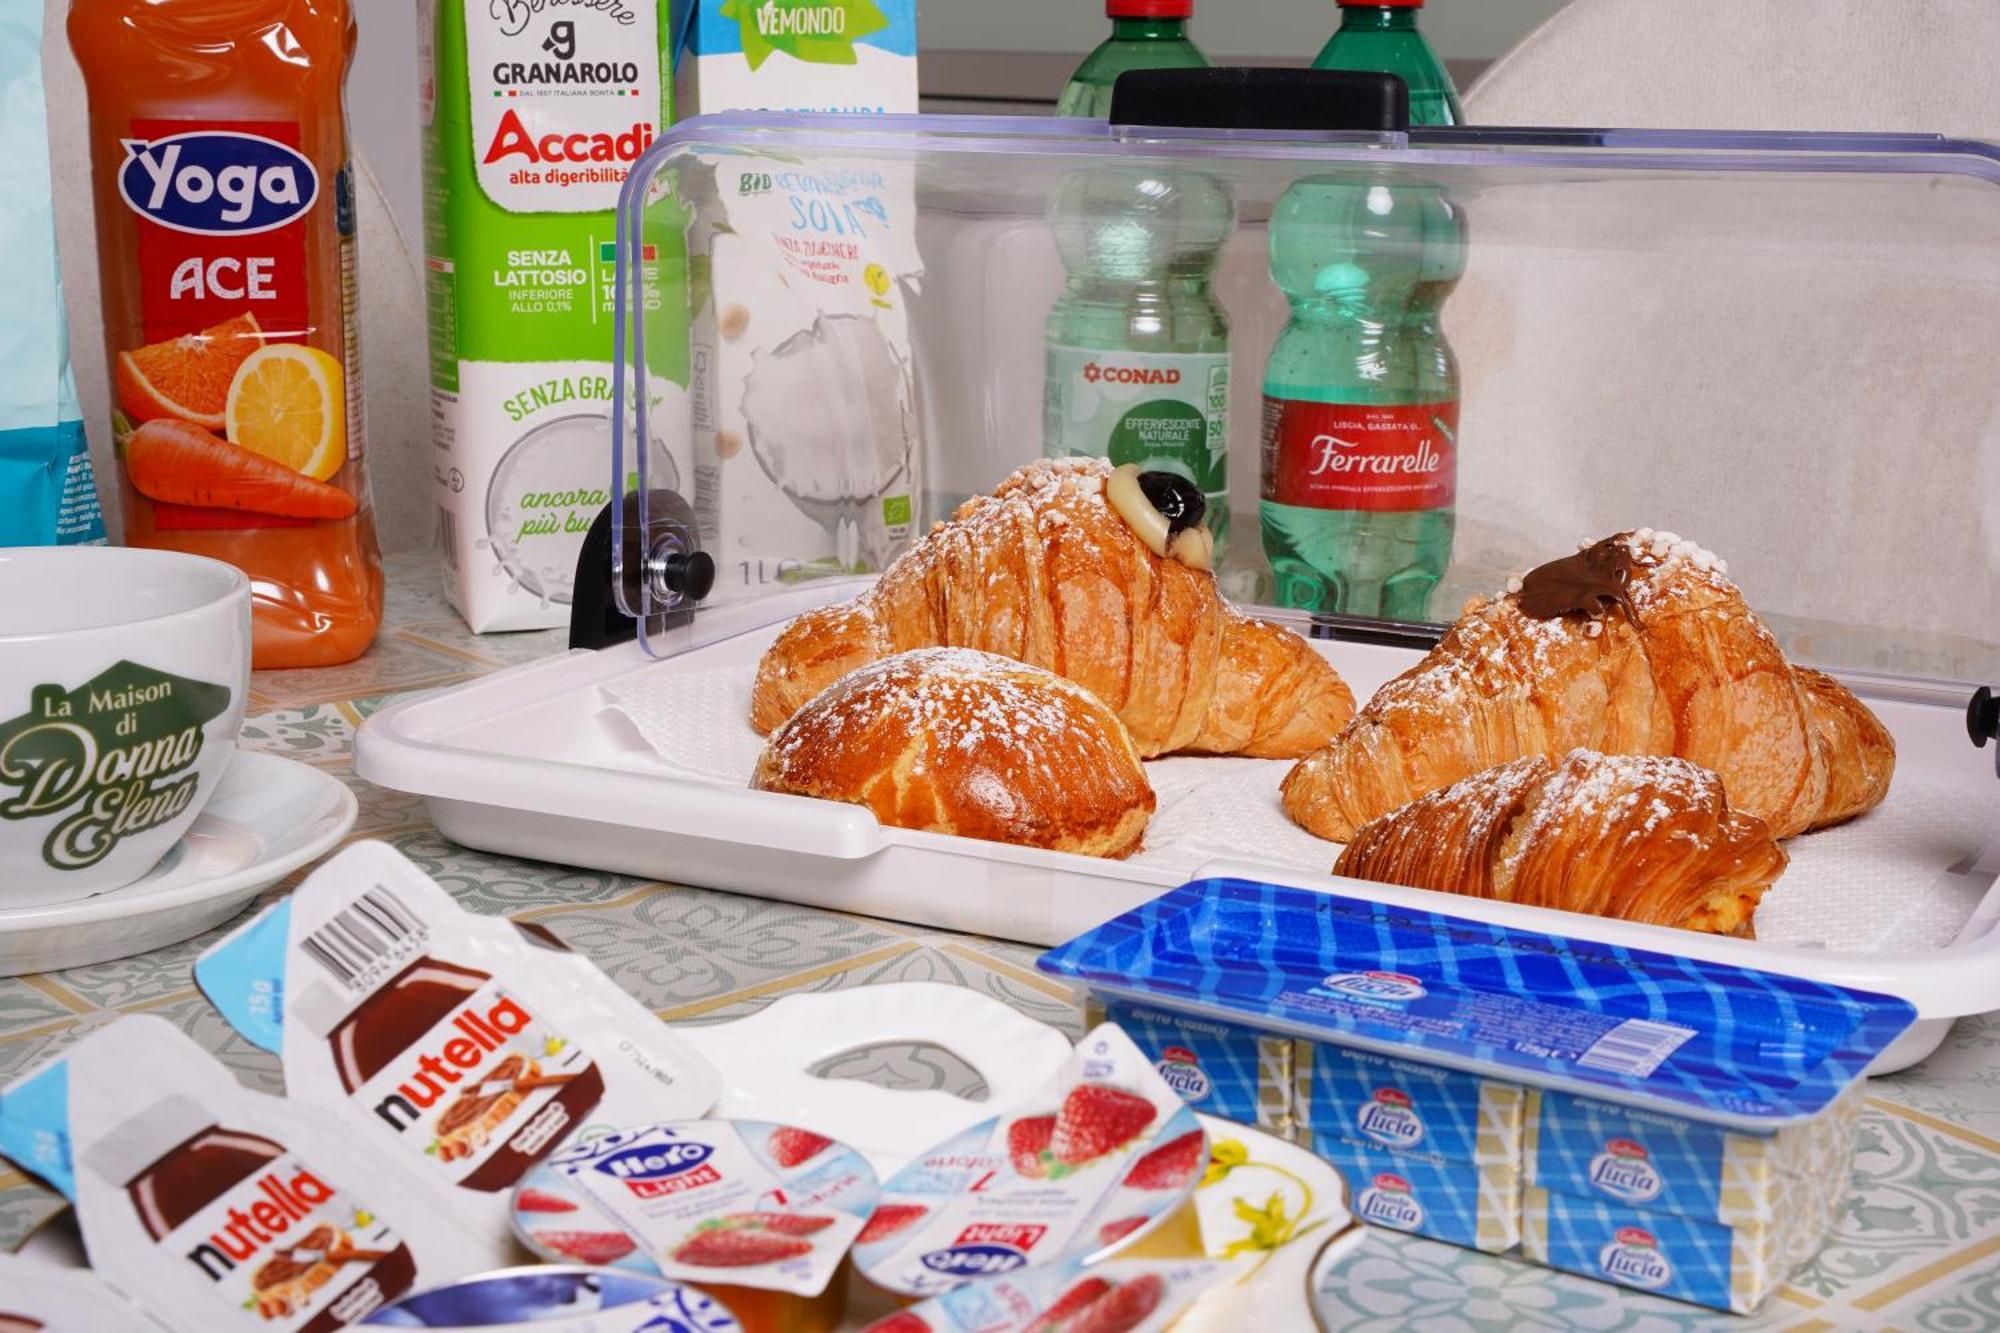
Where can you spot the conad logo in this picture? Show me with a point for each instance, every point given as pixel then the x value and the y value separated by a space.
pixel 217 182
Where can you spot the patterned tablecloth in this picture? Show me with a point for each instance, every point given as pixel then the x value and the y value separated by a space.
pixel 1917 1244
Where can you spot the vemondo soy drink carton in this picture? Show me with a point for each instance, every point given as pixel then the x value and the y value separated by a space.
pixel 533 113
pixel 226 243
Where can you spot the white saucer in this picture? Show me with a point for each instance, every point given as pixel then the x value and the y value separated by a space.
pixel 269 817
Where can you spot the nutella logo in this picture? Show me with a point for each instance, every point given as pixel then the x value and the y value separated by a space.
pixel 474 1033
pixel 1633 1257
pixel 1624 1172
pixel 653 1171
pixel 1096 373
pixel 1388 1202
pixel 1180 1069
pixel 262 1212
pixel 1390 1118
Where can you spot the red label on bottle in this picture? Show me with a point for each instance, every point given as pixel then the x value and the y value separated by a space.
pixel 222 209
pixel 1352 456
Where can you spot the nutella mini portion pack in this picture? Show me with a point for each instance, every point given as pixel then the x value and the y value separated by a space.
pixel 740 1202
pixel 214 1207
pixel 463 1048
pixel 1103 1155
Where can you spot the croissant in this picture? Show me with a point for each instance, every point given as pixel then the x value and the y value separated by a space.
pixel 1637 645
pixel 1637 837
pixel 949 740
pixel 1048 572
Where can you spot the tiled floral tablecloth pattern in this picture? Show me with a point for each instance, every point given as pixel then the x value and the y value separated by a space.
pixel 1917 1246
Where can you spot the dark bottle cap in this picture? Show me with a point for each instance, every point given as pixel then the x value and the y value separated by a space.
pixel 1239 98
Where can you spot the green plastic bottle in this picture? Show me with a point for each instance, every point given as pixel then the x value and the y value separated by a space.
pixel 1383 37
pixel 1145 34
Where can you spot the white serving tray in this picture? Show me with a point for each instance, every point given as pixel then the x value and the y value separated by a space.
pixel 530 762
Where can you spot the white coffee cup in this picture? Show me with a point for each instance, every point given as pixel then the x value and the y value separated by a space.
pixel 123 675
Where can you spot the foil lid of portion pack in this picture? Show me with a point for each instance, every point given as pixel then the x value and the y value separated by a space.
pixel 1715 1042
pixel 560 1300
pixel 461 1046
pixel 203 1201
pixel 1094 1162
pixel 740 1202
pixel 1127 1295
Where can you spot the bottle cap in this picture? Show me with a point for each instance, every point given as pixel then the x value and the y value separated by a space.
pixel 1381 4
pixel 1148 9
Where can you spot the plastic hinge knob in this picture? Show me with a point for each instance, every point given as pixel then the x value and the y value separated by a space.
pixel 668 573
pixel 1982 720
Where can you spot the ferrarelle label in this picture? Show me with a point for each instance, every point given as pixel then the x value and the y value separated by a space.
pixel 108 759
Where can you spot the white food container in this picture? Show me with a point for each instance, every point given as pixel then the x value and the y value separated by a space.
pixel 1765 342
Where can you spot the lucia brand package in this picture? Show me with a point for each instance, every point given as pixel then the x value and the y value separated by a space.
pixel 806 457
pixel 48 493
pixel 1724 1076
pixel 560 1300
pixel 1102 1157
pixel 36 1296
pixel 1127 1295
pixel 215 1207
pixel 462 1048
pixel 760 1215
pixel 1217 1068
pixel 533 113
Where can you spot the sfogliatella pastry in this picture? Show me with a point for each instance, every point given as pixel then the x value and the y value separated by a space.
pixel 950 740
pixel 1639 644
pixel 1637 837
pixel 1101 576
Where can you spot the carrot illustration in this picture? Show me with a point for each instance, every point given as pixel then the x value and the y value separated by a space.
pixel 177 463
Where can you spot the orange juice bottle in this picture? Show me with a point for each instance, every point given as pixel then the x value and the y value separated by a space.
pixel 225 240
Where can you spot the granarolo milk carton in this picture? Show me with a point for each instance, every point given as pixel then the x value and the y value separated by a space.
pixel 806 455
pixel 533 114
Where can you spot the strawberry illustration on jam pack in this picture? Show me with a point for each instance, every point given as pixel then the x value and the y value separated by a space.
pixel 468 1047
pixel 1097 1159
pixel 1117 1296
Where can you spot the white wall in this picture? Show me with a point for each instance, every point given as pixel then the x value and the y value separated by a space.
pixel 1461 29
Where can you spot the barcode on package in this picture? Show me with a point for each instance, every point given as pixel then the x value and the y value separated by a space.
pixel 356 942
pixel 448 537
pixel 1635 1047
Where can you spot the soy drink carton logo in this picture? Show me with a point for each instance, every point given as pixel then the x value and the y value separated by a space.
pixel 1390 1119
pixel 653 1171
pixel 1375 987
pixel 217 182
pixel 1633 1257
pixel 1180 1068
pixel 986 1249
pixel 1388 1202
pixel 1624 1172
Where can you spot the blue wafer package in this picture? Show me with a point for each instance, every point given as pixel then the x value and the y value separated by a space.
pixel 1461 1203
pixel 1589 1148
pixel 1669 1123
pixel 1407 1107
pixel 1217 1068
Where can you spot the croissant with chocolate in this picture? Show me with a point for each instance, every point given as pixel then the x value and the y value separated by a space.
pixel 1639 644
pixel 1098 575
pixel 1637 837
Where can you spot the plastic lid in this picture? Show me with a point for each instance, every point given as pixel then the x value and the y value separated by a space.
pixel 1381 4
pixel 1150 9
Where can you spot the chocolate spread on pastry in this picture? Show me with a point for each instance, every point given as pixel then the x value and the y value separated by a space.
pixel 1177 499
pixel 1588 583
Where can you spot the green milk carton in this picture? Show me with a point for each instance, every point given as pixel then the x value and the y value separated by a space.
pixel 533 114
